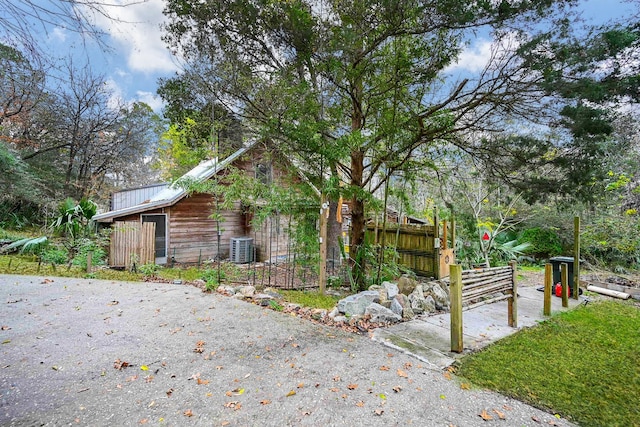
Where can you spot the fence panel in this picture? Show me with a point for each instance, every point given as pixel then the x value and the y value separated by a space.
pixel 132 242
pixel 416 247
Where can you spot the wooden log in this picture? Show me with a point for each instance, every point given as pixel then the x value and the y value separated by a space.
pixel 487 290
pixel 512 306
pixel 488 301
pixel 455 294
pixel 485 280
pixel 608 292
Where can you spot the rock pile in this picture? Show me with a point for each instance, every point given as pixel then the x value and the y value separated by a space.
pixel 379 305
pixel 394 302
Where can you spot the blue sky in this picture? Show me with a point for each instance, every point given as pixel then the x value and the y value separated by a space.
pixel 138 56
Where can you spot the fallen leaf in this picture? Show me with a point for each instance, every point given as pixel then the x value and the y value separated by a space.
pixel 408 365
pixel 384 368
pixel 200 381
pixel 536 419
pixel 6 341
pixel 169 392
pixel 447 375
pixel 149 379
pixel 144 367
pixel 188 413
pixel 485 415
pixel 336 378
pixel 553 423
pixel 500 414
pixel 442 396
pixel 235 405
pixel 334 389
pixel 291 393
pixel 360 404
pixel 378 412
pixel 465 386
pixel 397 389
pixel 228 394
pixel 265 402
pixel 143 421
pixel 352 386
pixel 383 396
pixel 5 328
pixel 402 373
pixel 301 385
pixel 114 302
pixel 218 368
pixel 344 396
pixel 120 364
pixel 238 391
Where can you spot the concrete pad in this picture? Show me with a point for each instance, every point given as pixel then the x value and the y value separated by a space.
pixel 429 338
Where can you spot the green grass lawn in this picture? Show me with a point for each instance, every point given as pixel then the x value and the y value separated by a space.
pixel 583 364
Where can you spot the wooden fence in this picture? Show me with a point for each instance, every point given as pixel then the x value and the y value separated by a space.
pixel 420 247
pixel 132 242
pixel 472 288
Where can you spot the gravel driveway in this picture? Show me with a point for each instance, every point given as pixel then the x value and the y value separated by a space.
pixel 103 353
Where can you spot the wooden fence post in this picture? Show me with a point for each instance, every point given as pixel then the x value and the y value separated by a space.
pixel 512 303
pixel 548 283
pixel 455 295
pixel 564 274
pixel 89 261
pixel 324 210
pixel 576 257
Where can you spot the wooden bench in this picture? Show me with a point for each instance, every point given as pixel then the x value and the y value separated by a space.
pixel 473 288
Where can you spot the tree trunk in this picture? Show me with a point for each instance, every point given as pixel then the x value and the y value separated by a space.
pixel 356 249
pixel 334 233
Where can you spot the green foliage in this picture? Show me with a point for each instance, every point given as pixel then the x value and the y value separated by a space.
pixel 612 241
pixel 29 245
pixel 213 277
pixel 275 305
pixel 82 249
pixel 313 299
pixel 54 254
pixel 149 269
pixel 544 242
pixel 73 218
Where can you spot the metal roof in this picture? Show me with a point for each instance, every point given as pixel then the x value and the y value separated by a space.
pixel 169 196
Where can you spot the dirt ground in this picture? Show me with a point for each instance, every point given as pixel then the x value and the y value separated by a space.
pixel 103 353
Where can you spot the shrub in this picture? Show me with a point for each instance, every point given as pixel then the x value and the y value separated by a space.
pixel 544 242
pixel 54 255
pixel 84 246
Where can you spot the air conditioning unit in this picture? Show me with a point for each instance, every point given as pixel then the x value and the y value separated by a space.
pixel 241 250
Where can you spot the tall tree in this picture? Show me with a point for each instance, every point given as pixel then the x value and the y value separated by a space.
pixel 81 133
pixel 357 88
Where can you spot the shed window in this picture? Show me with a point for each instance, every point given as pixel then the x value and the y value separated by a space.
pixel 263 173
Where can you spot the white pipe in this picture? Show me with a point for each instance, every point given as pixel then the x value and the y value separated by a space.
pixel 608 292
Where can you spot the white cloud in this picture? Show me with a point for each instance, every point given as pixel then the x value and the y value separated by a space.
pixel 475 58
pixel 152 100
pixel 135 28
pixel 58 35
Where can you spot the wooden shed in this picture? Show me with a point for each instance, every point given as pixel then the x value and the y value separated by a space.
pixel 180 226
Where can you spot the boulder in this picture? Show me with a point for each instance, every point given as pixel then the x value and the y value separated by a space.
pixel 382 292
pixel 381 314
pixel 406 284
pixel 246 291
pixel 402 307
pixel 429 305
pixel 416 300
pixel 391 289
pixel 355 305
pixel 441 297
